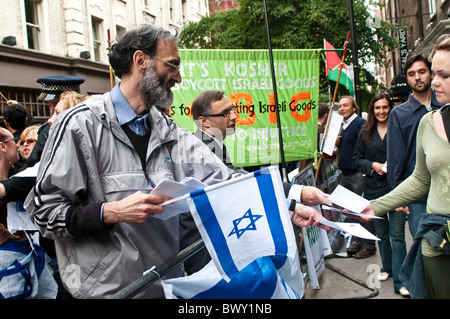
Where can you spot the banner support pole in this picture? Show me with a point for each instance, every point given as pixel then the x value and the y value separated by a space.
pixel 275 95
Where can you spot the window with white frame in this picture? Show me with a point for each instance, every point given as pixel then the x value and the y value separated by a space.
pixel 96 38
pixel 32 24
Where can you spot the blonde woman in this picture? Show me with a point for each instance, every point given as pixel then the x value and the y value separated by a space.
pixel 67 100
pixel 27 141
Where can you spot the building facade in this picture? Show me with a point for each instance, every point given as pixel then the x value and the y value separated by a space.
pixel 50 37
pixel 421 22
pixel 222 5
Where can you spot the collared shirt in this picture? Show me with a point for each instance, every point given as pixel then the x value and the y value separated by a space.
pixel 124 112
pixel 401 138
pixel 345 123
pixel 125 115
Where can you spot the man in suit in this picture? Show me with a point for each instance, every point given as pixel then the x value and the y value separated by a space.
pixel 214 115
pixel 215 118
pixel 353 179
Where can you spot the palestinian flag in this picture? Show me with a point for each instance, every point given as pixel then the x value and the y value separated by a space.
pixel 333 62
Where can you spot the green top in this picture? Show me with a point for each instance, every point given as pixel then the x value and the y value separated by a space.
pixel 431 174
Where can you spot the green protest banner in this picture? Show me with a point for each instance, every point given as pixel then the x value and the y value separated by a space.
pixel 245 77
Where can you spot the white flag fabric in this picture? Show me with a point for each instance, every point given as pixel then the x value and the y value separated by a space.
pixel 243 219
pixel 18 218
pixel 25 273
pixel 261 279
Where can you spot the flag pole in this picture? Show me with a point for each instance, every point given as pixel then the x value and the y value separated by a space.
pixel 6 99
pixel 275 95
pixel 111 72
pixel 332 102
pixel 265 170
pixel 155 274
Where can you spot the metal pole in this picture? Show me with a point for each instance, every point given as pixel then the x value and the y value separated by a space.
pixel 374 290
pixel 420 18
pixel 332 103
pixel 354 52
pixel 275 95
pixel 154 275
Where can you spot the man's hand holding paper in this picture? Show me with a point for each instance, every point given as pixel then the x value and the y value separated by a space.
pixel 357 205
pixel 312 196
pixel 305 216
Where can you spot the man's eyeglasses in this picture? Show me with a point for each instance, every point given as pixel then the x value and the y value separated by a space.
pixel 176 67
pixel 28 141
pixel 9 139
pixel 225 114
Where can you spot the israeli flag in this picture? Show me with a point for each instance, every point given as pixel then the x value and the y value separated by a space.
pixel 261 279
pixel 25 273
pixel 243 219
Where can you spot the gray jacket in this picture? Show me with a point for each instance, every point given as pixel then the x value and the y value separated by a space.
pixel 89 160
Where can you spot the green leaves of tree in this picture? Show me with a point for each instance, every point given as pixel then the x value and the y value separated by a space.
pixel 294 24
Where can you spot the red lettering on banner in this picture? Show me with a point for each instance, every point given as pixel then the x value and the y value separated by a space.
pixel 184 110
pixel 293 106
pixel 272 113
pixel 188 110
pixel 234 99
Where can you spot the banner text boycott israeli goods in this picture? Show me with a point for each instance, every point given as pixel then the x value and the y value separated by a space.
pixel 245 77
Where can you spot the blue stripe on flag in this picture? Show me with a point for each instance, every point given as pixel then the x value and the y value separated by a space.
pixel 212 226
pixel 270 203
pixel 257 280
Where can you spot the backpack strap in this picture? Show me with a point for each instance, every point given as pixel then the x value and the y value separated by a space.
pixel 445 112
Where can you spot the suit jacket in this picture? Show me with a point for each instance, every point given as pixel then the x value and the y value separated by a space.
pixel 219 150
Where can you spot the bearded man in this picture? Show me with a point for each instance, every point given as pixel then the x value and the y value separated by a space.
pixel 100 163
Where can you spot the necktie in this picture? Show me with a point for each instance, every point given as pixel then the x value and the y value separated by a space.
pixel 139 126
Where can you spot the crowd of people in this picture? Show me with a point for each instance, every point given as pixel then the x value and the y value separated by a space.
pixel 87 173
pixel 397 160
pixel 424 268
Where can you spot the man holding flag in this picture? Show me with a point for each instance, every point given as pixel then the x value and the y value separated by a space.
pixel 251 242
pixel 212 130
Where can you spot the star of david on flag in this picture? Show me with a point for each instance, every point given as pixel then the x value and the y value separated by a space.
pixel 243 219
pixel 250 226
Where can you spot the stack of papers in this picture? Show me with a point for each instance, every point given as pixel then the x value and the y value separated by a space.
pixel 176 190
pixel 337 210
pixel 353 229
pixel 346 199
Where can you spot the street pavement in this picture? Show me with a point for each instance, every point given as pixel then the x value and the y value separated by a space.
pixel 349 278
